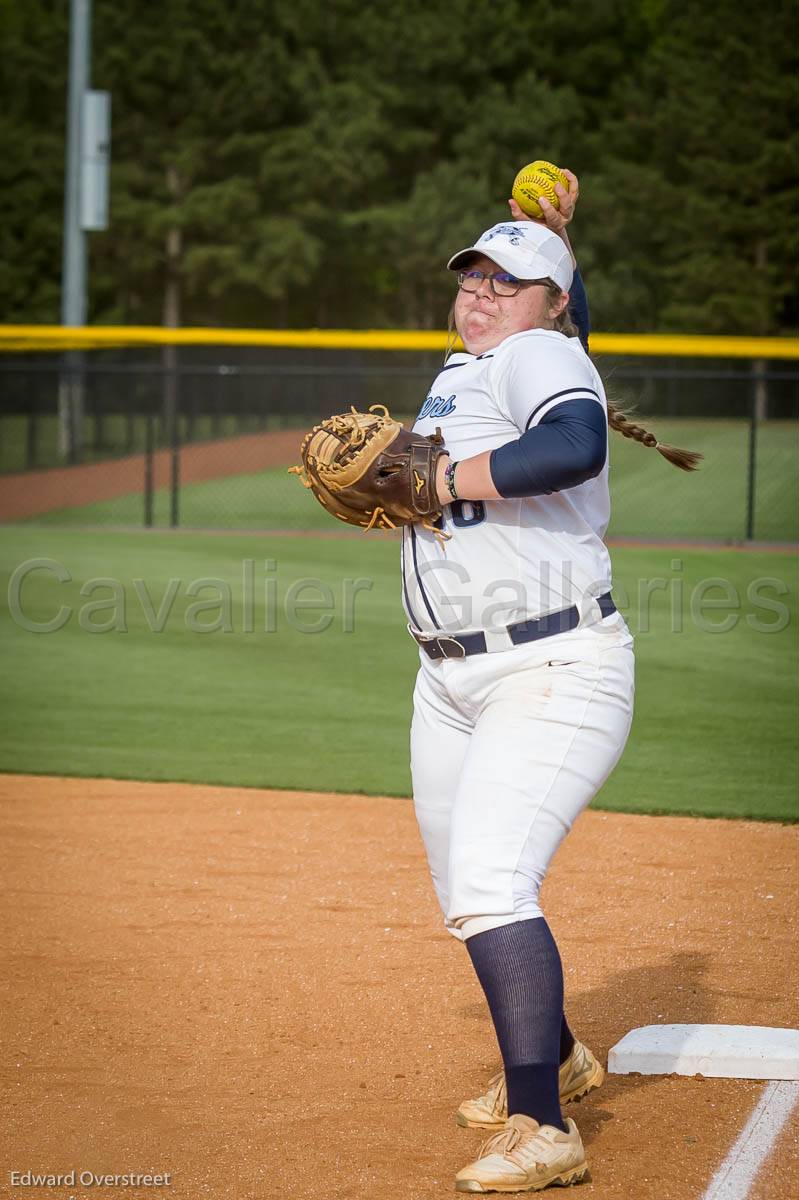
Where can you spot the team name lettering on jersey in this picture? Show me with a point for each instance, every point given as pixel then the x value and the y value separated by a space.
pixel 437 406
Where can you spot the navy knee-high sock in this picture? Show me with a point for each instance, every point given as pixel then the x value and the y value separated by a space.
pixel 566 1040
pixel 520 971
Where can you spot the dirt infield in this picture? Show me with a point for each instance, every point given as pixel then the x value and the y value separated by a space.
pixel 252 992
pixel 30 493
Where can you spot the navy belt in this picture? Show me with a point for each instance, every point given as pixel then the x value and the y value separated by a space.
pixel 565 619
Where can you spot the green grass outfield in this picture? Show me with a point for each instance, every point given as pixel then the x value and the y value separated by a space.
pixel 650 497
pixel 716 716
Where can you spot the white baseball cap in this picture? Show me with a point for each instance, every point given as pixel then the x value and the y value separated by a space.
pixel 523 248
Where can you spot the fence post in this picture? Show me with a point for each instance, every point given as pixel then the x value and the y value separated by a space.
pixel 174 501
pixel 33 430
pixel 757 390
pixel 149 440
pixel 71 433
pixel 130 428
pixel 172 421
pixel 216 416
pixel 98 416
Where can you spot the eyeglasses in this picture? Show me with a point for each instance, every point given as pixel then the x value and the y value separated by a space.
pixel 502 282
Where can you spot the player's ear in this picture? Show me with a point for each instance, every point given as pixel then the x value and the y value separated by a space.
pixel 557 306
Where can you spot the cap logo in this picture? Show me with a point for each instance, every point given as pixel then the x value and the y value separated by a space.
pixel 514 235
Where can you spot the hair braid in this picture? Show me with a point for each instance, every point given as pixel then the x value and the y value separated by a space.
pixel 618 418
pixel 686 460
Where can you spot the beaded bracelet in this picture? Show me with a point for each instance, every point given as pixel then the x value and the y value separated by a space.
pixel 449 479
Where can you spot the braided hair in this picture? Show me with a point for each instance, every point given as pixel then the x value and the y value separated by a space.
pixel 619 418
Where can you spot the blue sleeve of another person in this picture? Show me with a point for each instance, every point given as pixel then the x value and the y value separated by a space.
pixel 566 448
pixel 578 308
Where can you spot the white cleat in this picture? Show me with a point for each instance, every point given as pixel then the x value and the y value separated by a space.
pixel 526 1157
pixel 580 1074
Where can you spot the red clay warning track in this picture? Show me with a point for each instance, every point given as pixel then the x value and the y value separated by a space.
pixel 30 493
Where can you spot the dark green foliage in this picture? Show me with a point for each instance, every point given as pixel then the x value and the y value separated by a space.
pixel 316 164
pixel 33 49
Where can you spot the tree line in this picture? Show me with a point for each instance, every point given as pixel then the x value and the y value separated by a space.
pixel 294 163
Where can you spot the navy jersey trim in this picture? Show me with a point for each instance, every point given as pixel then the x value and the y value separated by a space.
pixel 408 605
pixel 567 447
pixel 427 605
pixel 574 391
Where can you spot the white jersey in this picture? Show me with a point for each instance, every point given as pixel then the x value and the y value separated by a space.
pixel 507 560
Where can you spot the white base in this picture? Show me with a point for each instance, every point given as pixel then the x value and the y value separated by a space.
pixel 723 1051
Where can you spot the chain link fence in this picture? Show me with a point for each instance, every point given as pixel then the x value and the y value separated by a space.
pixel 200 437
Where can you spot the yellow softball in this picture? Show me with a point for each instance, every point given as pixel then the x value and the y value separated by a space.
pixel 537 179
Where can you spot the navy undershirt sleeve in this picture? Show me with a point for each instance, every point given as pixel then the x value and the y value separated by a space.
pixel 578 308
pixel 567 447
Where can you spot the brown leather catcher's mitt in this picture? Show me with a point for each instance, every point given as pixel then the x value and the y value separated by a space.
pixel 365 469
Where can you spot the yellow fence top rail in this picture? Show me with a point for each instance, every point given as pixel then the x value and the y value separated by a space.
pixel 94 337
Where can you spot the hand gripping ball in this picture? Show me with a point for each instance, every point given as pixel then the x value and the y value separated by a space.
pixel 537 179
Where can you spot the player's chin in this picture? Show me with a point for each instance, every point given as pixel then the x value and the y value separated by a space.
pixel 475 323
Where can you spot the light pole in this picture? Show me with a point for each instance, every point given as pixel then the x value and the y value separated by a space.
pixel 85 208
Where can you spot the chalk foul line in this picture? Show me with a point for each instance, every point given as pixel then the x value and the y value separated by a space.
pixel 735 1176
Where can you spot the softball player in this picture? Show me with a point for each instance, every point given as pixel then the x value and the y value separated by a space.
pixel 524 696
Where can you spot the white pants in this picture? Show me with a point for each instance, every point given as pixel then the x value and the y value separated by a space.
pixel 507 749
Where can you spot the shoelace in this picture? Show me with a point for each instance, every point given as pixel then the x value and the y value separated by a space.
pixel 503 1142
pixel 495 1089
pixel 496 1081
pixel 507 1143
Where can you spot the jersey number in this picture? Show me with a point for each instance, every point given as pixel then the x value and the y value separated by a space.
pixel 465 513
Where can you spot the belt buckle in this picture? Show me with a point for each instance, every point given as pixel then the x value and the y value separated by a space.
pixel 452 641
pixel 429 639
